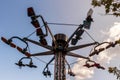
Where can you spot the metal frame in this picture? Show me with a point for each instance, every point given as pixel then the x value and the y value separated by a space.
pixel 59 54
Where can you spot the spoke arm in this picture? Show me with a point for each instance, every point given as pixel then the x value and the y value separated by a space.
pixel 39 44
pixel 73 34
pixel 47 28
pixel 76 55
pixel 49 62
pixel 80 46
pixel 43 53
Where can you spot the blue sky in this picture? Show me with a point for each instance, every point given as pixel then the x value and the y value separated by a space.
pixel 15 22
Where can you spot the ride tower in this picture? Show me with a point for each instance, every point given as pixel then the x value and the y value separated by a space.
pixel 60 46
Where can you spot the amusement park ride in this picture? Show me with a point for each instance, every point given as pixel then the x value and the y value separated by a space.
pixel 61 46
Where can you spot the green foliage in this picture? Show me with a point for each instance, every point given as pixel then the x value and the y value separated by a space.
pixel 111 6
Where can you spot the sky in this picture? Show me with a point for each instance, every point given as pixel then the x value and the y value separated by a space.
pixel 15 22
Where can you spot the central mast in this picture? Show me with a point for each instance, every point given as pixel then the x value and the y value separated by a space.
pixel 59 50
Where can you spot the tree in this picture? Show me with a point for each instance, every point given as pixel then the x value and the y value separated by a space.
pixel 112 7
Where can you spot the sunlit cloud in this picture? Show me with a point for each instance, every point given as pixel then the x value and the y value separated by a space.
pixel 113 34
pixel 104 57
pixel 82 72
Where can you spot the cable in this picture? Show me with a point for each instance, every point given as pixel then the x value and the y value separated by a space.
pixel 31 34
pixel 75 62
pixel 63 24
pixel 40 60
pixel 68 64
pixel 90 36
pixel 36 57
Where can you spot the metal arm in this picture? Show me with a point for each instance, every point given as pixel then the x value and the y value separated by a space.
pixel 16 37
pixel 69 69
pixel 46 71
pixel 80 46
pixel 73 34
pixel 97 51
pixel 43 53
pixel 47 28
pixel 76 55
pixel 39 44
pixel 49 62
pixel 44 24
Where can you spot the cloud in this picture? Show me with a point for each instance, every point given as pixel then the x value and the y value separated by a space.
pixel 113 34
pixel 104 57
pixel 82 72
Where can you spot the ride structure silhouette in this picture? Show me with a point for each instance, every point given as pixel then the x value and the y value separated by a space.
pixel 60 46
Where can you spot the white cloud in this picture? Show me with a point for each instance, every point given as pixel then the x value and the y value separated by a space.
pixel 104 57
pixel 82 72
pixel 113 35
pixel 114 32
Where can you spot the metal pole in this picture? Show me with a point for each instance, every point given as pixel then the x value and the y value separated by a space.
pixel 59 67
